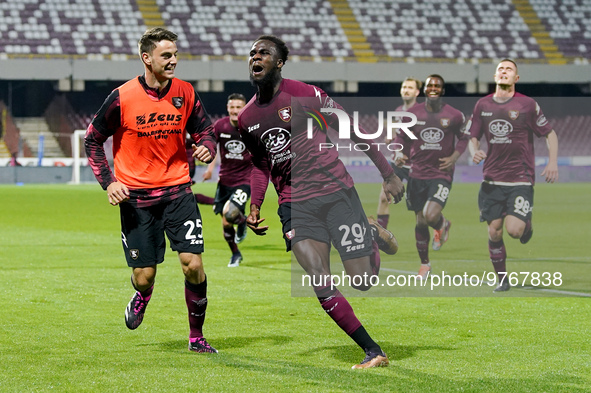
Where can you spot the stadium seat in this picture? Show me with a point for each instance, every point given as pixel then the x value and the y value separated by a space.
pixel 469 25
pixel 446 29
pixel 569 24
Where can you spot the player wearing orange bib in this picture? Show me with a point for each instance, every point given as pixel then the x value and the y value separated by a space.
pixel 148 118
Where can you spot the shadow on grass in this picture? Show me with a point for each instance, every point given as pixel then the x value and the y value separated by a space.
pixel 353 354
pixel 313 369
pixel 228 343
pixel 312 375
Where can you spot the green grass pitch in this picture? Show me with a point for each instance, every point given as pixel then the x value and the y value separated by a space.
pixel 64 285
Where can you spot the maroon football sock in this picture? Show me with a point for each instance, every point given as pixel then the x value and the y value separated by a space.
pixel 146 294
pixel 498 257
pixel 204 199
pixel 338 308
pixel 422 238
pixel 241 219
pixel 383 220
pixel 196 299
pixel 229 234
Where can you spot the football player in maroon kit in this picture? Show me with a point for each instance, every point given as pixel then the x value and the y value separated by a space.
pixel 433 156
pixel 318 204
pixel 508 121
pixel 233 188
pixel 409 91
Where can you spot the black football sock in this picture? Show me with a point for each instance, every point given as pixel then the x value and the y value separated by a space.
pixel 439 225
pixel 362 338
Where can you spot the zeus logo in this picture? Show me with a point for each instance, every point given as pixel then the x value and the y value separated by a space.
pixel 393 123
pixel 154 116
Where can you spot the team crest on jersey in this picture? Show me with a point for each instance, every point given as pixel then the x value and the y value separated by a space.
pixel 134 254
pixel 285 113
pixel 178 102
pixel 445 122
pixel 513 114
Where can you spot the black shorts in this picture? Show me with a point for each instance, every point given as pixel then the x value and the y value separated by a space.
pixel 337 218
pixel 419 191
pixel 238 195
pixel 496 201
pixel 142 230
pixel 401 172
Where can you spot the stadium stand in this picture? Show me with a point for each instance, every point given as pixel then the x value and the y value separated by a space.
pixel 445 29
pixel 574 133
pixel 83 27
pixel 537 31
pixel 551 31
pixel 228 27
pixel 568 23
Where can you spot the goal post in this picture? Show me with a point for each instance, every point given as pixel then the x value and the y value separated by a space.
pixel 76 149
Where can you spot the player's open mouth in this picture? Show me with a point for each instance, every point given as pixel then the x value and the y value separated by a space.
pixel 257 69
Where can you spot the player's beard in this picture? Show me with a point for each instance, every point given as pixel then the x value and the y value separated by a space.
pixel 271 78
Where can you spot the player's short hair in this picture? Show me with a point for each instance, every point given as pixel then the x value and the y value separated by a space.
pixel 510 61
pixel 417 82
pixel 282 49
pixel 236 96
pixel 436 76
pixel 151 37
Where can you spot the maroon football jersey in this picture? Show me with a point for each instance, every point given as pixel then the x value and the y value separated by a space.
pixel 236 162
pixel 509 128
pixel 436 138
pixel 276 135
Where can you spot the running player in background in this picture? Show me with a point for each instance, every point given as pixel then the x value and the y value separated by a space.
pixel 433 156
pixel 318 203
pixel 508 121
pixel 233 188
pixel 199 198
pixel 148 118
pixel 409 91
